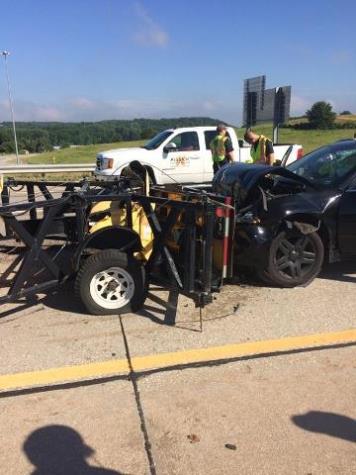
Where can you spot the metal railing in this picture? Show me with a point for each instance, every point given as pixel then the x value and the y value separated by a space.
pixel 16 169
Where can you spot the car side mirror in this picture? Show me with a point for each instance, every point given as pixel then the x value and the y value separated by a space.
pixel 171 147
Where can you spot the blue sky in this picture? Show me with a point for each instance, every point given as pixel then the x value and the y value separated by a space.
pixel 107 59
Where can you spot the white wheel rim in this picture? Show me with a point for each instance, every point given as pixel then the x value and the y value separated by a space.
pixel 112 288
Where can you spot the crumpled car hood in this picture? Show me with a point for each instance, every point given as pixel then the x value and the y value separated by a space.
pixel 239 179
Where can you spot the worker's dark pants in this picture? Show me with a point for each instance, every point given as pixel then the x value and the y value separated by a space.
pixel 218 165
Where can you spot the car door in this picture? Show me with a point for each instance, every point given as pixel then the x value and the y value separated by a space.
pixel 182 158
pixel 347 220
pixel 209 135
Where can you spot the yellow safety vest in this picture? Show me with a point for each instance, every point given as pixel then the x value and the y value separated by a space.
pixel 218 149
pixel 259 150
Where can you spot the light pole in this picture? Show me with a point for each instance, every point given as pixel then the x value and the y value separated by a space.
pixel 5 54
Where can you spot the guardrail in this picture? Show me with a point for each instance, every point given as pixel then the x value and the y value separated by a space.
pixel 16 169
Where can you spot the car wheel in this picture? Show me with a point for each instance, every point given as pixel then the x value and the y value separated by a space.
pixel 264 277
pixel 294 259
pixel 111 282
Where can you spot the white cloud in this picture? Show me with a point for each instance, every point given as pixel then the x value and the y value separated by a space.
pixel 345 101
pixel 150 33
pixel 86 109
pixel 47 113
pixel 299 104
pixel 333 103
pixel 82 103
pixel 30 111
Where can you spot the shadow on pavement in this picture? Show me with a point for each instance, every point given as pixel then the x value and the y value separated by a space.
pixel 60 450
pixel 327 423
pixel 341 271
pixel 64 300
pixel 163 312
pixel 58 299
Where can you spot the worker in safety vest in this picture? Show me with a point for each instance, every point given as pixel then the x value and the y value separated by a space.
pixel 221 148
pixel 261 148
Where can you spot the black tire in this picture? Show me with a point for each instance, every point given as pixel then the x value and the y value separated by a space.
pixel 136 177
pixel 111 282
pixel 294 259
pixel 264 277
pixel 135 181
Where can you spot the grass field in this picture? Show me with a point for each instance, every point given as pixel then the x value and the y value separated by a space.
pixel 80 154
pixel 346 118
pixel 309 139
pixel 340 119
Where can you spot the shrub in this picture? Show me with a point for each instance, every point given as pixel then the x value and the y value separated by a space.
pixel 321 116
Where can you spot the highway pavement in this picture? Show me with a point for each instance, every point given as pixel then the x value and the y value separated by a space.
pixel 262 381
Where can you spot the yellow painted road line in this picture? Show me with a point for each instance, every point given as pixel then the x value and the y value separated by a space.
pixel 104 369
pixel 141 363
pixel 64 374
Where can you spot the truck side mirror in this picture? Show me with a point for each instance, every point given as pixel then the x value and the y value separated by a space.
pixel 241 143
pixel 171 147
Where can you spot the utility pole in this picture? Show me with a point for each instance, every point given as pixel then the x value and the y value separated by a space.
pixel 5 54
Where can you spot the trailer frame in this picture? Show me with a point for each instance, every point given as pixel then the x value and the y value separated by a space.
pixel 70 211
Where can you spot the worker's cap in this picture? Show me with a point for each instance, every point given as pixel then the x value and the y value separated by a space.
pixel 221 127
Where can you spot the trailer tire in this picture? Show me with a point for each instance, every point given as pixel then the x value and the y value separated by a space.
pixel 111 282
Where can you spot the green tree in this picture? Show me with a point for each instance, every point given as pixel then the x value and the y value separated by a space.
pixel 148 133
pixel 321 115
pixel 39 136
pixel 345 113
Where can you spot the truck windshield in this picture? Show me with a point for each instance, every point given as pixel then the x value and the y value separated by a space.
pixel 157 140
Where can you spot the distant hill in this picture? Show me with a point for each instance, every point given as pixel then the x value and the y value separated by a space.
pixel 342 120
pixel 42 136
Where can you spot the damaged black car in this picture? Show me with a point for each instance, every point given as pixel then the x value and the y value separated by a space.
pixel 290 220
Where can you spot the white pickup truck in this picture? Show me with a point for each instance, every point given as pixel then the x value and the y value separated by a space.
pixel 181 155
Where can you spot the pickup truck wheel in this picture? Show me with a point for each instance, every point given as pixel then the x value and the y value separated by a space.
pixel 135 179
pixel 111 282
pixel 294 259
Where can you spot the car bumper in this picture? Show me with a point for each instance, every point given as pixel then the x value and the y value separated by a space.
pixel 252 244
pixel 105 175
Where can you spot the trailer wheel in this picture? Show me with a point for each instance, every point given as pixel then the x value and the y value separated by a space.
pixel 111 282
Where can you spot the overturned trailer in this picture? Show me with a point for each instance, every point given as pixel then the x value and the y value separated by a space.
pixel 113 239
